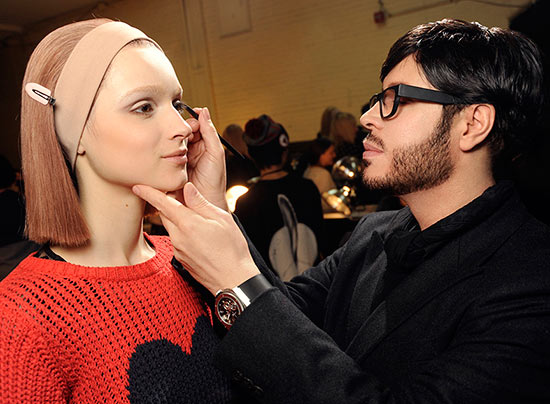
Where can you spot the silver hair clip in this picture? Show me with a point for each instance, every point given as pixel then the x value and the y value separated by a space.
pixel 39 93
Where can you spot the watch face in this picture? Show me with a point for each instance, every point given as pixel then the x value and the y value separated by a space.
pixel 228 308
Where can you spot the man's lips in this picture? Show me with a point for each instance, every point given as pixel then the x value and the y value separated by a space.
pixel 371 150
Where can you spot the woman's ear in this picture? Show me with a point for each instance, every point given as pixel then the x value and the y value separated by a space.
pixel 81 149
pixel 479 120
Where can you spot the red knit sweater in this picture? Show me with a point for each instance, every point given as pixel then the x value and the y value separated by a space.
pixel 138 333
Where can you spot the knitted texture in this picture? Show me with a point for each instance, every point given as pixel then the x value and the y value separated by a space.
pixel 135 334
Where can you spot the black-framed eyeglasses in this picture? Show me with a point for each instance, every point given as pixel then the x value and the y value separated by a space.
pixel 389 98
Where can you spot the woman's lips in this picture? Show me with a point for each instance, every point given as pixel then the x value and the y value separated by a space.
pixel 179 157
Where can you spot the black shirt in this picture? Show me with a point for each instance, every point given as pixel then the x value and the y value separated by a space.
pixel 259 213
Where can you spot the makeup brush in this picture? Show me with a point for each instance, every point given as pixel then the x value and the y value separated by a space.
pixel 224 142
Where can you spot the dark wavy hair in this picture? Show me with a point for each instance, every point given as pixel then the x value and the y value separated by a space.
pixel 480 65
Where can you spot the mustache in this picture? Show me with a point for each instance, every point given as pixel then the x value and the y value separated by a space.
pixel 374 139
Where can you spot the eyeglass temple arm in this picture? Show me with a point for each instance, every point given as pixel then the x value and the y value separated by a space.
pixel 425 94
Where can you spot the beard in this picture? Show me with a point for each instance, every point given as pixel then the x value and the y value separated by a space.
pixel 418 167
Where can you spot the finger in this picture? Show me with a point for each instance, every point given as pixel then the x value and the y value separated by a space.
pixel 195 126
pixel 208 131
pixel 194 123
pixel 169 207
pixel 194 200
pixel 170 227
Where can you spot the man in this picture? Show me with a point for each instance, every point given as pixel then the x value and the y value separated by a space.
pixel 445 301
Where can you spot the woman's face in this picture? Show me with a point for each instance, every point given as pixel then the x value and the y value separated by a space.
pixel 135 133
pixel 327 158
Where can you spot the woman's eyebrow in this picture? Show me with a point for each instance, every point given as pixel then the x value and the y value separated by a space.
pixel 149 89
pixel 154 90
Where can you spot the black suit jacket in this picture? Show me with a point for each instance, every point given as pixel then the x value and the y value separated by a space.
pixel 469 325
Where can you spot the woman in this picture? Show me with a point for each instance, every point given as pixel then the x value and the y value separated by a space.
pixel 326 121
pixel 321 158
pixel 343 132
pixel 99 314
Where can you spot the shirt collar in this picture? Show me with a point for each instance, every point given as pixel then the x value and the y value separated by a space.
pixel 407 246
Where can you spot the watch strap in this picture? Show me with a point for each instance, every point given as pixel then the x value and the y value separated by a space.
pixel 253 288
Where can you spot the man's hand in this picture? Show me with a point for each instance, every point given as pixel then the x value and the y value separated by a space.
pixel 206 239
pixel 206 164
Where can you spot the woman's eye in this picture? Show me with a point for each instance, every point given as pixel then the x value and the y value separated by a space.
pixel 144 109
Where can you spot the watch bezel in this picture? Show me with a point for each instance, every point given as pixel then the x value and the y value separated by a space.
pixel 223 317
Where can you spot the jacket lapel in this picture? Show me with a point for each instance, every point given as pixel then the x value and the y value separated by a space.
pixel 420 287
pixel 344 290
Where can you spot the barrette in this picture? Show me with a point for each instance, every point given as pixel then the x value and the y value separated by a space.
pixel 229 146
pixel 39 93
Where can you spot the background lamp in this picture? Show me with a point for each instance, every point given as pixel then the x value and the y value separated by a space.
pixel 233 193
pixel 339 199
pixel 347 170
pixel 345 173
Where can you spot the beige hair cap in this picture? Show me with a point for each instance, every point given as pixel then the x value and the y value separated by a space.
pixel 81 76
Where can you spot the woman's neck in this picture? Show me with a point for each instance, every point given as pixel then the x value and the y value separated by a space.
pixel 115 219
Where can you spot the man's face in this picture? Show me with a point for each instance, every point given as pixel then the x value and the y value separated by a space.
pixel 410 151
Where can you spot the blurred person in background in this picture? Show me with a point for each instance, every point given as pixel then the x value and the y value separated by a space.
pixel 12 207
pixel 258 209
pixel 239 171
pixel 326 121
pixel 320 157
pixel 343 132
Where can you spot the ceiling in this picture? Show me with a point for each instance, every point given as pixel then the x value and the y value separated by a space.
pixel 17 15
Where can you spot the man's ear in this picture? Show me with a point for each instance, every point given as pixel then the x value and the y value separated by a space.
pixel 478 122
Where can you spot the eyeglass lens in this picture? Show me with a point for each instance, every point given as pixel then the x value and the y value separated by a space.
pixel 386 99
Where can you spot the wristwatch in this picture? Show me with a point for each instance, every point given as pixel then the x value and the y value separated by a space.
pixel 230 303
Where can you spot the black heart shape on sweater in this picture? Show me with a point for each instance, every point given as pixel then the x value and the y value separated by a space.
pixel 161 372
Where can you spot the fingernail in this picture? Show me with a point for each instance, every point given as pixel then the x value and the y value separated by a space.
pixel 136 190
pixel 206 113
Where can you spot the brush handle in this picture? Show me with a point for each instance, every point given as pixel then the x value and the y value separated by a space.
pixel 224 142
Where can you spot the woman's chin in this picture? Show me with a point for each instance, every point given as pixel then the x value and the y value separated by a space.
pixel 174 186
pixel 167 186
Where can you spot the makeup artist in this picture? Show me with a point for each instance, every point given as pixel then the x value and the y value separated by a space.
pixel 444 301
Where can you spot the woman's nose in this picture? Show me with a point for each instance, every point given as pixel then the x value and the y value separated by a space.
pixel 179 126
